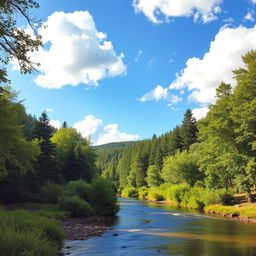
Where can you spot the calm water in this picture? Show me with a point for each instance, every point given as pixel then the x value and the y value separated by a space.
pixel 149 229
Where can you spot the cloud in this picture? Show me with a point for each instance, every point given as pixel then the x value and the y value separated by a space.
pixel 253 1
pixel 75 52
pixel 228 20
pixel 174 99
pixel 200 113
pixel 159 93
pixel 201 10
pixel 112 134
pixel 249 16
pixel 55 123
pixel 93 128
pixel 89 127
pixel 49 110
pixel 138 56
pixel 202 76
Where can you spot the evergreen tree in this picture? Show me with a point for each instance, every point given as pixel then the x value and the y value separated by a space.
pixel 153 176
pixel 47 164
pixel 188 130
pixel 64 125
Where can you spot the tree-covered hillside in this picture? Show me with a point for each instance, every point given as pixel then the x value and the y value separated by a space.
pixel 218 151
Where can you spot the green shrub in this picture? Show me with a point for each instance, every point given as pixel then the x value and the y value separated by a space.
pixel 104 199
pixel 79 188
pixel 76 206
pixel 143 193
pixel 155 194
pixel 227 198
pixel 199 197
pixel 176 193
pixel 129 192
pixel 50 192
pixel 27 234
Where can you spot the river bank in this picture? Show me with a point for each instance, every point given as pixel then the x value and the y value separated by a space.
pixel 84 228
pixel 245 212
pixel 145 228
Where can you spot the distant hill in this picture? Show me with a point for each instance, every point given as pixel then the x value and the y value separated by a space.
pixel 115 145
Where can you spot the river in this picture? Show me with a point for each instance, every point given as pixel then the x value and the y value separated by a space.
pixel 145 229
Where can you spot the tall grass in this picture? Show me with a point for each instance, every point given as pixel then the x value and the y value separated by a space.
pixel 27 234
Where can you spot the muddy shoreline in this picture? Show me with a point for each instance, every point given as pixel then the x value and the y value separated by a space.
pixel 84 228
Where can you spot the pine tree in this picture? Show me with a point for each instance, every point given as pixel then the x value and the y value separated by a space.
pixel 47 164
pixel 188 130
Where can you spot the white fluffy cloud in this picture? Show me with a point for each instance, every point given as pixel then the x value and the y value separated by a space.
pixel 200 113
pixel 159 93
pixel 93 128
pixel 76 52
pixel 112 134
pixel 55 123
pixel 202 76
pixel 89 127
pixel 204 10
pixel 253 1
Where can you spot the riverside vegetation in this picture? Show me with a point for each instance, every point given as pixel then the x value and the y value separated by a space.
pixel 198 163
pixel 40 166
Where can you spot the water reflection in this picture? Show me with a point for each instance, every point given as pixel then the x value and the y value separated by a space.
pixel 150 229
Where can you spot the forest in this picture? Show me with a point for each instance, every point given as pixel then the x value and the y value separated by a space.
pixel 214 153
pixel 207 164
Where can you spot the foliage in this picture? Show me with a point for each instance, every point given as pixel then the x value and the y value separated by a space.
pixel 247 211
pixel 143 193
pixel 47 163
pixel 76 206
pixel 129 192
pixel 24 233
pixel 16 43
pixel 153 178
pixel 104 199
pixel 181 168
pixel 50 192
pixel 15 151
pixel 189 130
pixel 175 193
pixel 155 194
pixel 79 188
pixel 74 154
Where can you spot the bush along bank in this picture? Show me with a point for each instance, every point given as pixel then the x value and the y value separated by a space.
pixel 80 199
pixel 181 195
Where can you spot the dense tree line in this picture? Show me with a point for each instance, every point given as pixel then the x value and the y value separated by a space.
pixel 218 151
pixel 33 153
pixel 141 162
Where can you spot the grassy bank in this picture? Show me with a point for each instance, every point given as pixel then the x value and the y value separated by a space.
pixel 28 234
pixel 247 211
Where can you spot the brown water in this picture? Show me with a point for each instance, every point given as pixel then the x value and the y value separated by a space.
pixel 144 229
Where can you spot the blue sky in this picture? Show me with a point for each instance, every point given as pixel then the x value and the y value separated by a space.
pixel 126 69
